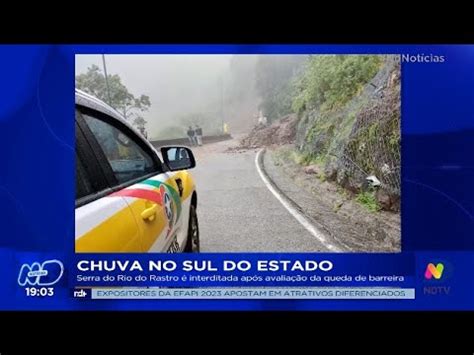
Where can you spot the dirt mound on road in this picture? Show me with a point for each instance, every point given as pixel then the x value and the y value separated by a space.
pixel 280 132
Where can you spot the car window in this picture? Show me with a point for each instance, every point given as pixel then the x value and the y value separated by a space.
pixel 83 184
pixel 126 158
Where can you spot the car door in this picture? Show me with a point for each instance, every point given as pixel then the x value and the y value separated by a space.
pixel 102 223
pixel 136 174
pixel 183 184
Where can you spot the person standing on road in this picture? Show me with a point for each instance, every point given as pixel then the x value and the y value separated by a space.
pixel 198 131
pixel 191 136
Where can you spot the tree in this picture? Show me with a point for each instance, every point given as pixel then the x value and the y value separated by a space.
pixel 93 82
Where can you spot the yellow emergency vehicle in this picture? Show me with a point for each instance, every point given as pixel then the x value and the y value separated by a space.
pixel 129 197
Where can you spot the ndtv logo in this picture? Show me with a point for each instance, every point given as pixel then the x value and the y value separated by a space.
pixel 434 271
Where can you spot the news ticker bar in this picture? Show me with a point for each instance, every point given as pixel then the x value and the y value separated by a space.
pixel 248 293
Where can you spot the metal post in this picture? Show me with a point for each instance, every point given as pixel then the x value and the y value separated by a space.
pixel 222 103
pixel 106 80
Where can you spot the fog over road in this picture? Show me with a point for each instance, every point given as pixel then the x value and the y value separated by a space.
pixel 236 210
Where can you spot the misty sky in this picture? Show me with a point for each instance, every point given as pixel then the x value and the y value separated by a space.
pixel 176 84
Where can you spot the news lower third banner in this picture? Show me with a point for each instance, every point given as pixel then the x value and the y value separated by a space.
pixel 244 270
pixel 385 293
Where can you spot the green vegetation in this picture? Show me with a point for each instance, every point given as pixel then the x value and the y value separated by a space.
pixel 393 135
pixel 324 89
pixel 368 200
pixel 306 159
pixel 343 192
pixel 302 158
pixel 330 81
pixel 322 177
pixel 344 127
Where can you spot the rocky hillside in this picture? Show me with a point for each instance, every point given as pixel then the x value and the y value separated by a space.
pixel 347 124
pixel 360 139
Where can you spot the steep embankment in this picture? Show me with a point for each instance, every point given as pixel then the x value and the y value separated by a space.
pixel 360 139
pixel 347 135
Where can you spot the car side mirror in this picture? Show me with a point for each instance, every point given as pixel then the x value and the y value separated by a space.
pixel 178 158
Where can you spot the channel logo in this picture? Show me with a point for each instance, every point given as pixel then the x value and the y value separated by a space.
pixel 47 273
pixel 80 293
pixel 434 271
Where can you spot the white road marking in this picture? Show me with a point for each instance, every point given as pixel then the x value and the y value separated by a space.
pixel 308 225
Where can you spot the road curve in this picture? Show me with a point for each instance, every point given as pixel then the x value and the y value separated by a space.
pixel 236 210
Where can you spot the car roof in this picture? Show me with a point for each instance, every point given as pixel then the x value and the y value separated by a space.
pixel 89 101
pixel 84 99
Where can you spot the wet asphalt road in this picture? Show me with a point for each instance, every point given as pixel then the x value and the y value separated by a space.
pixel 237 212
